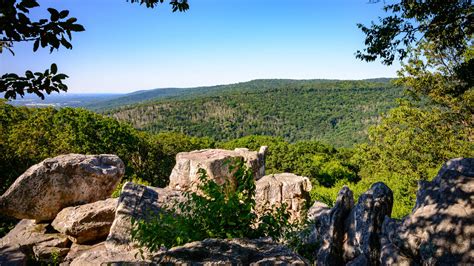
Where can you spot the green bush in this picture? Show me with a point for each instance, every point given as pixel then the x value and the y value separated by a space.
pixel 216 211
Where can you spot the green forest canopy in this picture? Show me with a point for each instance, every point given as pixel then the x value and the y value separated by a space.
pixel 335 112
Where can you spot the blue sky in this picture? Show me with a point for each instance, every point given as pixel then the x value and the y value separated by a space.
pixel 127 47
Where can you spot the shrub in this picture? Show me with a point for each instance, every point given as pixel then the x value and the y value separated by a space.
pixel 215 211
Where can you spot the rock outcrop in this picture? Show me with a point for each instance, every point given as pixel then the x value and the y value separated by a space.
pixel 86 223
pixel 390 254
pixel 286 188
pixel 31 240
pixel 54 184
pixel 72 189
pixel 331 229
pixel 136 202
pixel 440 229
pixel 230 252
pixel 216 163
pixel 364 224
pixel 347 233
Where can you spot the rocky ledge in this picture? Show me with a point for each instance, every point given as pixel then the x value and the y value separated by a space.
pixel 69 218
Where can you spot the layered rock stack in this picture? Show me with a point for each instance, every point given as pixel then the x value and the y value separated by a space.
pixel 289 189
pixel 217 163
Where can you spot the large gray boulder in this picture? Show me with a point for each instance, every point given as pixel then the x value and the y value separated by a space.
pixel 230 252
pixel 330 229
pixel 66 180
pixel 278 189
pixel 216 163
pixel 440 229
pixel 31 240
pixel 136 202
pixel 364 224
pixel 86 223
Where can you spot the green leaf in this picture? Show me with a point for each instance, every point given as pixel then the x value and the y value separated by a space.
pixel 71 20
pixel 64 14
pixel 36 45
pixel 76 27
pixel 29 3
pixel 54 14
pixel 29 74
pixel 54 68
pixel 65 43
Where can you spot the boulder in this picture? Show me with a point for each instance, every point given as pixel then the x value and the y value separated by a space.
pixel 390 254
pixel 230 252
pixel 440 229
pixel 86 223
pixel 330 229
pixel 364 225
pixel 66 180
pixel 137 202
pixel 77 250
pixel 216 163
pixel 318 218
pixel 100 255
pixel 278 189
pixel 29 239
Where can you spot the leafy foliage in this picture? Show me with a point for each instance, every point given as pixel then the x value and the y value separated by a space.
pixel 215 211
pixel 414 139
pixel 29 135
pixel 38 83
pixel 53 32
pixel 448 24
pixel 176 5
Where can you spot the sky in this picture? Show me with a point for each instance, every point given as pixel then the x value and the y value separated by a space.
pixel 127 47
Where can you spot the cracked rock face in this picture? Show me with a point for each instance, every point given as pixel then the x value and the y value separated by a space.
pixel 364 225
pixel 136 202
pixel 56 183
pixel 278 189
pixel 331 229
pixel 216 163
pixel 440 229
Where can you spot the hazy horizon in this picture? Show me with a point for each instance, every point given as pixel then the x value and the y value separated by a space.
pixel 127 48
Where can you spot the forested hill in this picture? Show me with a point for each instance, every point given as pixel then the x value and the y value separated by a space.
pixel 336 112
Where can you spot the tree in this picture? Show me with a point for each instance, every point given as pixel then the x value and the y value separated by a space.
pixel 433 40
pixel 53 32
pixel 448 24
pixel 436 39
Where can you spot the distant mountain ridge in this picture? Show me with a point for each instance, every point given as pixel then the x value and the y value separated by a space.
pixel 338 112
pixel 142 96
